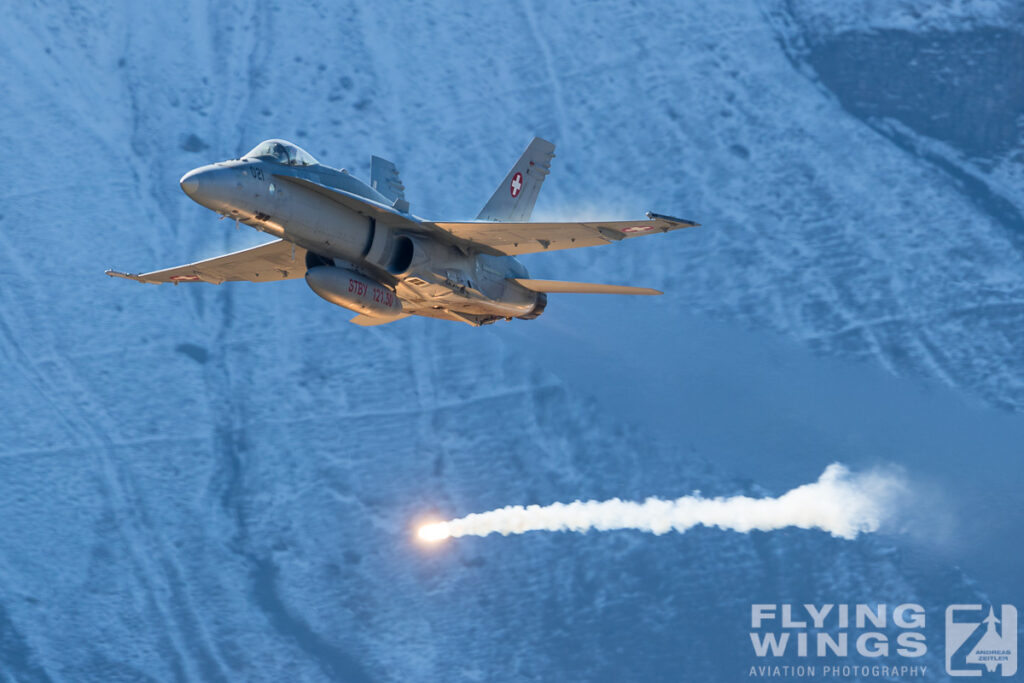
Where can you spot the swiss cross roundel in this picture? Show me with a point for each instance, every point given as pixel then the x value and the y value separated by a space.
pixel 517 184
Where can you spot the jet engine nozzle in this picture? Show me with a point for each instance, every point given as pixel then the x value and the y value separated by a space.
pixel 348 289
pixel 538 308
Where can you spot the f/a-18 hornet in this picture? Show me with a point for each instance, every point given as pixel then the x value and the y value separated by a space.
pixel 359 247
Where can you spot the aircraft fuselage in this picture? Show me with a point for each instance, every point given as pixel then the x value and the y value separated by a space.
pixel 358 246
pixel 435 278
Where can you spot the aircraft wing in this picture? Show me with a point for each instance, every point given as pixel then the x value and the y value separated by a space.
pixel 528 238
pixel 277 260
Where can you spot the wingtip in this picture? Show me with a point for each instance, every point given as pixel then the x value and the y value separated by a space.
pixel 672 219
pixel 127 276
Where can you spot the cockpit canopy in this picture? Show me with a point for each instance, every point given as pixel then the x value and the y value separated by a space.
pixel 283 152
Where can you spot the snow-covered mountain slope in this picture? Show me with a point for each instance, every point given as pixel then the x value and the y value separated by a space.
pixel 221 482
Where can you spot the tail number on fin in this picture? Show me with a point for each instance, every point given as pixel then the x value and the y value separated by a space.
pixel 517 184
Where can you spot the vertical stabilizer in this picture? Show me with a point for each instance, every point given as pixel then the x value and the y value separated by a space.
pixel 514 199
pixel 384 178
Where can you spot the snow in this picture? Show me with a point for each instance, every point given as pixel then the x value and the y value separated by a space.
pixel 223 482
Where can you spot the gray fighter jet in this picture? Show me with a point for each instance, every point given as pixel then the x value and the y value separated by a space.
pixel 359 247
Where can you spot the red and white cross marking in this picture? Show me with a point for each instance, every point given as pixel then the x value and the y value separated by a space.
pixel 517 184
pixel 638 228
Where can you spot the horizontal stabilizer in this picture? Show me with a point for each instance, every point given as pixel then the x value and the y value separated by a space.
pixel 371 321
pixel 561 287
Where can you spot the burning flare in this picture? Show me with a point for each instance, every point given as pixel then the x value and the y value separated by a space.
pixel 840 503
pixel 435 531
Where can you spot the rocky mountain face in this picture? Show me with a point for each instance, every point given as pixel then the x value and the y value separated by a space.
pixel 222 483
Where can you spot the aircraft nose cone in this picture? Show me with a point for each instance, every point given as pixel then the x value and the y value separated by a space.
pixel 190 183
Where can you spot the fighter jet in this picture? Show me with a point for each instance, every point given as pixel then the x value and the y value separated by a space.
pixel 359 247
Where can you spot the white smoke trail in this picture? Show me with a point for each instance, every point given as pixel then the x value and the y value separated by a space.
pixel 840 503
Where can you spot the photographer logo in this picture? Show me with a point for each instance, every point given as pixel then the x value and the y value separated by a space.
pixel 976 642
